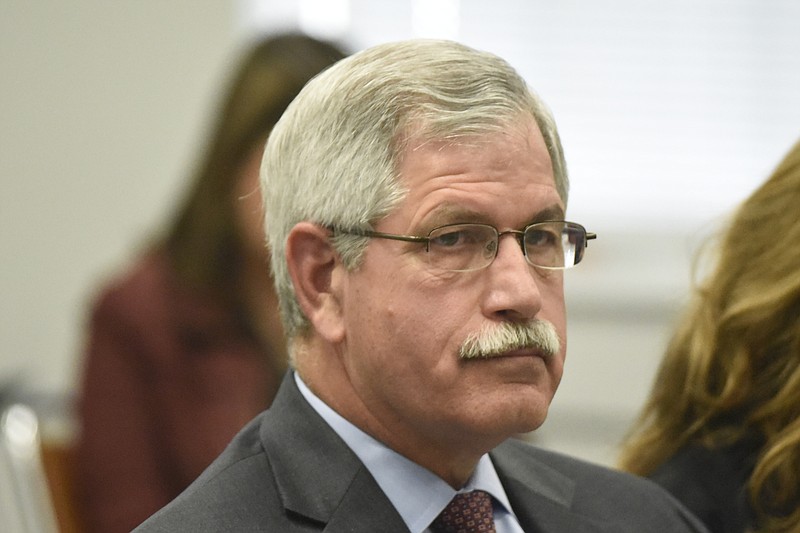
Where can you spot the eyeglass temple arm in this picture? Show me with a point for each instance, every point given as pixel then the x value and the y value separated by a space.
pixel 379 235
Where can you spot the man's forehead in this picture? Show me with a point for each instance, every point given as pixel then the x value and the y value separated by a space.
pixel 499 147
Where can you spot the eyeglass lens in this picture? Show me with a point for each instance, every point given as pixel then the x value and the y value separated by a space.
pixel 463 247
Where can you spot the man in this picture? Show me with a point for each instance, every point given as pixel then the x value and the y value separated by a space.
pixel 415 198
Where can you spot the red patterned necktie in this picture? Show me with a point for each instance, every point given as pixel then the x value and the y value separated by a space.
pixel 469 512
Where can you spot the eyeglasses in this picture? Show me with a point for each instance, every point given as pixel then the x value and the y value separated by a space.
pixel 554 244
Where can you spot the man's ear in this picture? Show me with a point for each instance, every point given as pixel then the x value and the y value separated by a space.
pixel 313 263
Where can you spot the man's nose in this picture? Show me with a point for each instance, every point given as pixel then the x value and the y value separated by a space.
pixel 513 290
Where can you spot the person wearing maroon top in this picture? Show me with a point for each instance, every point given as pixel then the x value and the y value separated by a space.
pixel 186 346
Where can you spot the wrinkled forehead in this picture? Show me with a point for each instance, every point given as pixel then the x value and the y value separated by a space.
pixel 513 135
pixel 418 133
pixel 481 178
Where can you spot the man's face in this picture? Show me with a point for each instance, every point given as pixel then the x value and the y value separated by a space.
pixel 405 321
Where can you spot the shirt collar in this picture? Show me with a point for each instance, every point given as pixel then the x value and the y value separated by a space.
pixel 395 474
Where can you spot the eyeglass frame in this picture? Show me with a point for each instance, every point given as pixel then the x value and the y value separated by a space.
pixel 520 234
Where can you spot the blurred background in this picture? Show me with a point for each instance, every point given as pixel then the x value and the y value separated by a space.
pixel 670 114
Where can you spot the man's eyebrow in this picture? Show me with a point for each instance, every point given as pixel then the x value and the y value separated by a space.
pixel 554 212
pixel 455 214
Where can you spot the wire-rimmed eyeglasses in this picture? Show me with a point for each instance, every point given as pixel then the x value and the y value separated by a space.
pixel 552 244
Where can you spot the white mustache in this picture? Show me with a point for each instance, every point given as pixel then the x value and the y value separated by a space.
pixel 491 341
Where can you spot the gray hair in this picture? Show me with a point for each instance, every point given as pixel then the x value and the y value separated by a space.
pixel 332 159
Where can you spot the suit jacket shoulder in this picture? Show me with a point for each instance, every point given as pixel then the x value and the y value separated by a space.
pixel 287 471
pixel 553 492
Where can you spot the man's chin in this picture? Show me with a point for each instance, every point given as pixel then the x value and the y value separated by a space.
pixel 507 424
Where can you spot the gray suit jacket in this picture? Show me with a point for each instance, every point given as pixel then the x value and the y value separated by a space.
pixel 287 471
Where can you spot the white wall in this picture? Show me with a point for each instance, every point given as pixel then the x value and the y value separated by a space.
pixel 670 114
pixel 101 106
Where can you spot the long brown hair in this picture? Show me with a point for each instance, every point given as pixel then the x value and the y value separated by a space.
pixel 204 243
pixel 731 373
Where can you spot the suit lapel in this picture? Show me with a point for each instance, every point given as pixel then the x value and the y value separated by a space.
pixel 318 477
pixel 366 505
pixel 540 496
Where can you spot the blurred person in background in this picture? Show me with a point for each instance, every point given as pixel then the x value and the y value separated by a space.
pixel 187 346
pixel 721 428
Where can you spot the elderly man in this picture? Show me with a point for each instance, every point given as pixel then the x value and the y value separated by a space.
pixel 415 199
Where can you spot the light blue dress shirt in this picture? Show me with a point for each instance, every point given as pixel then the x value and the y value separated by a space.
pixel 417 493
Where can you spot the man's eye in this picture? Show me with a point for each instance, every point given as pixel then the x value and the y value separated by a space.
pixel 460 237
pixel 449 239
pixel 540 238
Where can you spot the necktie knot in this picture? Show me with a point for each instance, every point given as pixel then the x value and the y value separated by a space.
pixel 468 512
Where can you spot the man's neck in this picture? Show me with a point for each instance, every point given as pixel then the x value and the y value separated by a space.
pixel 452 458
